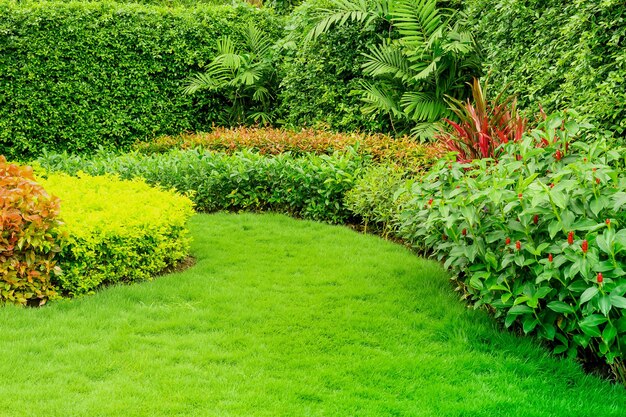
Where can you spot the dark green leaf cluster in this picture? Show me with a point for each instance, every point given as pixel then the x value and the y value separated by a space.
pixel 311 187
pixel 74 76
pixel 557 54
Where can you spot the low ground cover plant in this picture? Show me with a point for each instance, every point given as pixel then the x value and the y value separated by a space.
pixel 538 236
pixel 30 236
pixel 310 186
pixel 116 231
pixel 402 152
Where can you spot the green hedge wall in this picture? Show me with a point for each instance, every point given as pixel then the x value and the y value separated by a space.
pixel 557 53
pixel 77 75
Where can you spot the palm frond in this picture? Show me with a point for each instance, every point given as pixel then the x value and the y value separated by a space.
pixel 215 77
pixel 416 20
pixel 387 59
pixel 258 42
pixel 341 12
pixel 422 107
pixel 378 100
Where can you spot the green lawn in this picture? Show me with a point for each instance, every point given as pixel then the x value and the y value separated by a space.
pixel 284 318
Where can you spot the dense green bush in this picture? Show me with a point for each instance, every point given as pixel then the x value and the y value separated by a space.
pixel 320 76
pixel 560 54
pixel 116 231
pixel 310 186
pixel 377 200
pixel 29 237
pixel 538 237
pixel 77 75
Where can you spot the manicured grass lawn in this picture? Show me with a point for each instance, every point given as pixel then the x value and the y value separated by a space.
pixel 284 318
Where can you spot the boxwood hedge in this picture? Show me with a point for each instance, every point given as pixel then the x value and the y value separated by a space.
pixel 78 75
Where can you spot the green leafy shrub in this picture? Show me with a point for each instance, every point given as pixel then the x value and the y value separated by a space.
pixel 116 231
pixel 310 186
pixel 375 198
pixel 247 78
pixel 560 54
pixel 320 75
pixel 78 75
pixel 538 237
pixel 29 237
pixel 402 152
pixel 483 125
pixel 426 55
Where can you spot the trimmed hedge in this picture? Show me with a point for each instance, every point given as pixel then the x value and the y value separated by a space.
pixel 560 54
pixel 402 152
pixel 78 75
pixel 310 186
pixel 116 231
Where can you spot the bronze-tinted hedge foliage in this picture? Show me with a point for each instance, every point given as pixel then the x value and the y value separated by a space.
pixel 28 237
pixel 78 75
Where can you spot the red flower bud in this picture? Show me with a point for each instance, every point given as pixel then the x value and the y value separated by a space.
pixel 608 222
pixel 518 245
pixel 507 241
pixel 518 157
pixel 566 146
pixel 594 169
pixel 550 258
pixel 558 155
pixel 464 232
pixel 570 238
pixel 520 195
pixel 597 180
pixel 584 159
pixel 551 185
pixel 444 237
pixel 536 219
pixel 430 202
pixel 600 279
pixel 585 246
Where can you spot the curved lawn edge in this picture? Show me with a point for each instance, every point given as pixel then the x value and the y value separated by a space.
pixel 284 317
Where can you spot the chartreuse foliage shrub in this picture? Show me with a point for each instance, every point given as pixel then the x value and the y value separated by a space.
pixel 78 75
pixel 116 230
pixel 311 186
pixel 402 152
pixel 29 237
pixel 560 54
pixel 539 237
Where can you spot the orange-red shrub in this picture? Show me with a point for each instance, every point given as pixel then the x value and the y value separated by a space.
pixel 402 152
pixel 28 238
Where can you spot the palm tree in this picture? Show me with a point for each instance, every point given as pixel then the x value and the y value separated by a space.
pixel 426 57
pixel 246 78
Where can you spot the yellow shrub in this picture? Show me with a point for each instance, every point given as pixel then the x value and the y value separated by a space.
pixel 117 230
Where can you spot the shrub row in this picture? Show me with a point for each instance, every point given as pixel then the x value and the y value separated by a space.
pixel 401 152
pixel 311 186
pixel 116 231
pixel 560 54
pixel 78 75
pixel 29 237
pixel 539 236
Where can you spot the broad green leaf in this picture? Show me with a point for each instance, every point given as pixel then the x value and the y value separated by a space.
pixel 617 300
pixel 604 302
pixel 561 307
pixel 588 294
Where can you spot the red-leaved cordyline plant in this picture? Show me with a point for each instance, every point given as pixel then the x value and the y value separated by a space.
pixel 482 125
